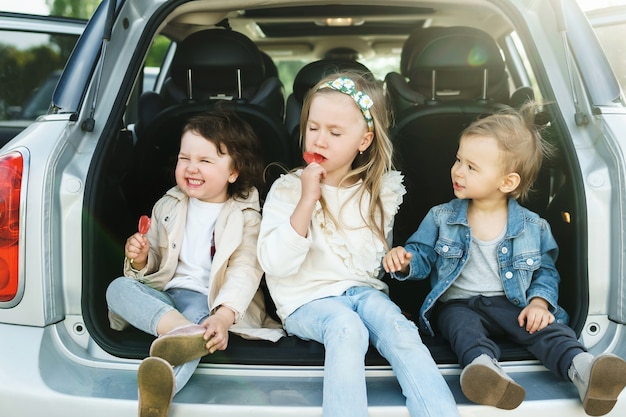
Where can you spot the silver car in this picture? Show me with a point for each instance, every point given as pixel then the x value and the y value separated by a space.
pixel 73 185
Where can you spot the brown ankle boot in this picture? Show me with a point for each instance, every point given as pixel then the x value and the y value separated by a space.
pixel 599 381
pixel 484 382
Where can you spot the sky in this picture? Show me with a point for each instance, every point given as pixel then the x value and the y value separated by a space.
pixel 40 7
pixel 24 6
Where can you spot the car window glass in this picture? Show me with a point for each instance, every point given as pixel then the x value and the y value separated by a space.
pixel 612 37
pixel 287 71
pixel 155 60
pixel 150 75
pixel 380 66
pixel 30 65
pixel 522 68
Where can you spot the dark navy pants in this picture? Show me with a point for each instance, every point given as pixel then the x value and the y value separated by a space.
pixel 468 324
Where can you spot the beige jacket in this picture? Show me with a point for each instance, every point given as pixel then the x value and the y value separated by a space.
pixel 235 272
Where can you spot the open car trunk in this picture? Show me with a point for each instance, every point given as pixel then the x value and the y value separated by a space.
pixel 111 217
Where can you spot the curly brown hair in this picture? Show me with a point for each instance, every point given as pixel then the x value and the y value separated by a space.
pixel 233 136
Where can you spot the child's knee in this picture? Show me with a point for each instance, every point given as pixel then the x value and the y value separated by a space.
pixel 347 329
pixel 114 288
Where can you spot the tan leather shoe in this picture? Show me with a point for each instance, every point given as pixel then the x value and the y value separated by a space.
pixel 599 380
pixel 180 345
pixel 156 383
pixel 484 382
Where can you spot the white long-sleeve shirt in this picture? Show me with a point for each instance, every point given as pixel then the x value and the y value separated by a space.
pixel 329 260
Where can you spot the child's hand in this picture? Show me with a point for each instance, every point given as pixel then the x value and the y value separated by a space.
pixel 312 176
pixel 136 249
pixel 397 260
pixel 217 325
pixel 535 315
pixel 310 179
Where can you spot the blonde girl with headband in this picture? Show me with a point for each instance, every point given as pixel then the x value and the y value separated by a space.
pixel 324 231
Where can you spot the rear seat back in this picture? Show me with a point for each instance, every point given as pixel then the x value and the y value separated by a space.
pixel 448 64
pixel 453 68
pixel 214 67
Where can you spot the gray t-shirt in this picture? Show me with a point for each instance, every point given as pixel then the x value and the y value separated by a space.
pixel 480 276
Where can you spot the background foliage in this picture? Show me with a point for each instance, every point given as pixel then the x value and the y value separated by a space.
pixel 30 63
pixel 82 9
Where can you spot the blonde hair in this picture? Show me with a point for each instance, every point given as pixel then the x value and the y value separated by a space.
pixel 520 140
pixel 376 160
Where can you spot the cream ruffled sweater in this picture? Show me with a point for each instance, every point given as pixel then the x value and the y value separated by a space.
pixel 329 260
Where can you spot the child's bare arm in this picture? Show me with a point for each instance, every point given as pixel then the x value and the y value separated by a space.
pixel 397 260
pixel 535 316
pixel 311 192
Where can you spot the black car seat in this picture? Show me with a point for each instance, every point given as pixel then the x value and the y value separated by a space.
pixel 447 64
pixel 461 75
pixel 214 67
pixel 305 79
pixel 216 64
pixel 271 70
pixel 399 93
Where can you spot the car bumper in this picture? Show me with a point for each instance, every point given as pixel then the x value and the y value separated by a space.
pixel 44 372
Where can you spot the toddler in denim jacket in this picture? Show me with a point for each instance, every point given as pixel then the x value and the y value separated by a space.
pixel 492 268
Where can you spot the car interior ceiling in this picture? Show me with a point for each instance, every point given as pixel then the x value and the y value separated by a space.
pixel 133 176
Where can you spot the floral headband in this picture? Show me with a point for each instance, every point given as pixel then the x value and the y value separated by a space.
pixel 363 101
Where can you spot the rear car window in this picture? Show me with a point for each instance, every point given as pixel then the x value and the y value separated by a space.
pixel 30 66
pixel 610 27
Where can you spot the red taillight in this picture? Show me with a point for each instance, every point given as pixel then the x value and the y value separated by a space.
pixel 11 167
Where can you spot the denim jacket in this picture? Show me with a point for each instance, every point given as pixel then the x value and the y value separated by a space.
pixel 526 256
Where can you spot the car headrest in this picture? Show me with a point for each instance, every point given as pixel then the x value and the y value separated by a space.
pixel 271 70
pixel 213 57
pixel 313 72
pixel 407 49
pixel 459 56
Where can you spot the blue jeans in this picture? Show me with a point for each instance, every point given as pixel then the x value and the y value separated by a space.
pixel 143 307
pixel 345 325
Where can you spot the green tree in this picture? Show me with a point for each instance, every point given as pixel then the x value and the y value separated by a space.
pixel 157 51
pixel 73 8
pixel 24 70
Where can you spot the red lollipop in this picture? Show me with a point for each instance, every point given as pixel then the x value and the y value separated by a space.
pixel 144 224
pixel 312 157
